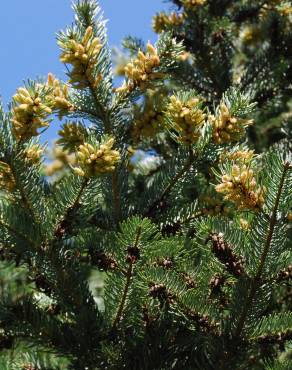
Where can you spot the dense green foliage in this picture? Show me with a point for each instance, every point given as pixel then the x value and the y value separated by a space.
pixel 175 259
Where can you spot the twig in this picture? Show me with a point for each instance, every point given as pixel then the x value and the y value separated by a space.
pixel 108 130
pixel 129 276
pixel 257 279
pixel 62 225
pixel 168 188
pixel 23 196
pixel 17 233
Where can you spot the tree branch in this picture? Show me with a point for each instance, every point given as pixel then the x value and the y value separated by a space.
pixel 129 276
pixel 61 228
pixel 255 283
pixel 108 130
pixel 154 206
pixel 17 233
pixel 26 203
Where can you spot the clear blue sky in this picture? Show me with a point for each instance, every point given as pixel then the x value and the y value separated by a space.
pixel 27 35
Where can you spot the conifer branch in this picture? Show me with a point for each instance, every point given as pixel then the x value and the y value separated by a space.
pixel 106 121
pixel 177 177
pixel 159 267
pixel 271 338
pixel 202 321
pixel 116 196
pixel 233 263
pixel 256 281
pixel 129 276
pixel 108 130
pixel 26 203
pixel 154 206
pixel 63 224
pixel 17 233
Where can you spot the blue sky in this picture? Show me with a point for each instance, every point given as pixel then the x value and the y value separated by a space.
pixel 27 35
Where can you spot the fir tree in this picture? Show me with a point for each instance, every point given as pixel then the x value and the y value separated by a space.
pixel 242 43
pixel 181 259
